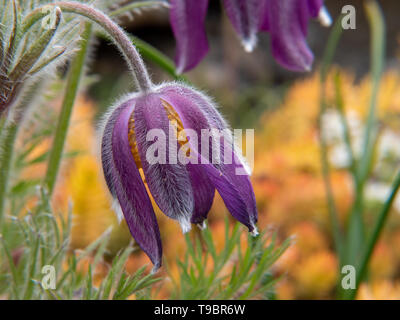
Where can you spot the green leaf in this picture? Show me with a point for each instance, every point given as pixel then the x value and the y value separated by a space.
pixel 11 265
pixel 32 269
pixel 74 76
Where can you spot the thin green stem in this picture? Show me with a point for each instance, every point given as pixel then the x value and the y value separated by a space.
pixel 377 26
pixel 330 49
pixel 326 62
pixel 157 57
pixel 356 232
pixel 381 220
pixel 74 77
pixel 7 141
pixel 154 55
pixel 2 122
pixel 345 124
pixel 137 5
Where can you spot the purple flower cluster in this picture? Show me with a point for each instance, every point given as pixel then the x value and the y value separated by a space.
pixel 285 20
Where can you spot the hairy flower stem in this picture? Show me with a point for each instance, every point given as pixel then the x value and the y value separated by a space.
pixel 146 50
pixel 74 76
pixel 135 62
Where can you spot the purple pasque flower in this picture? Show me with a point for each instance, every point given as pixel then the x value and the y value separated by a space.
pixel 139 137
pixel 285 20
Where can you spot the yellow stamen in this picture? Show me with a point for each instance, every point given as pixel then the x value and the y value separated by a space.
pixel 174 119
pixel 132 142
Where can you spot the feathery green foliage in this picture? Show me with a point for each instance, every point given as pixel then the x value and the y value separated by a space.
pixel 231 273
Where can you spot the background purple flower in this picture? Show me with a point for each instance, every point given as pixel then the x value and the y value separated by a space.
pixel 285 20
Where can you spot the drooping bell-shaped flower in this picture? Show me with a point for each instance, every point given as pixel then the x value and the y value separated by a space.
pixel 172 135
pixel 153 143
pixel 285 20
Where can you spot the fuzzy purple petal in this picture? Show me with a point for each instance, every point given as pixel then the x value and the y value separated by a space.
pixel 235 190
pixel 314 6
pixel 245 18
pixel 234 173
pixel 187 19
pixel 124 181
pixel 169 183
pixel 203 192
pixel 263 15
pixel 309 9
pixel 287 22
pixel 106 149
pixel 204 103
pixel 203 189
pixel 236 196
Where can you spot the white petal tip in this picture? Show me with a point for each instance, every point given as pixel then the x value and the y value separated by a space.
pixel 179 70
pixel 324 17
pixel 307 68
pixel 249 44
pixel 248 48
pixel 254 232
pixel 185 226
pixel 155 268
pixel 118 211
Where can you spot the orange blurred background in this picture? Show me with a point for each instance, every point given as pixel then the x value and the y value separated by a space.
pixel 287 181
